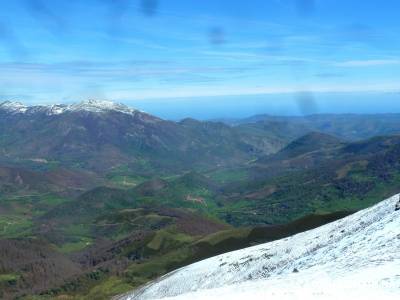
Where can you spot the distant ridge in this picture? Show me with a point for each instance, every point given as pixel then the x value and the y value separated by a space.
pixel 310 142
pixel 100 135
pixel 97 106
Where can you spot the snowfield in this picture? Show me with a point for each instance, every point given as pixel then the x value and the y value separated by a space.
pixel 357 257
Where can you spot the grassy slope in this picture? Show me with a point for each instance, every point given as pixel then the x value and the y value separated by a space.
pixel 190 251
pixel 167 250
pixel 346 177
pixel 176 216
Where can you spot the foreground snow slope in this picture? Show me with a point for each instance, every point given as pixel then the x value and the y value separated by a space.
pixel 355 257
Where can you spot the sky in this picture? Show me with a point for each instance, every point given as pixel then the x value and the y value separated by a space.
pixel 204 58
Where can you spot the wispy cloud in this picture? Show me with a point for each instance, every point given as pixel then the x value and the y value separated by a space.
pixel 175 49
pixel 369 63
pixel 225 90
pixel 328 75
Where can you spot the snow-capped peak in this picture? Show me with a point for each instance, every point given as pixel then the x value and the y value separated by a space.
pixel 13 107
pixel 357 257
pixel 100 106
pixel 95 106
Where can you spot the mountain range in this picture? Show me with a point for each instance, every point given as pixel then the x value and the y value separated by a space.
pixel 97 198
pixel 100 135
pixel 345 126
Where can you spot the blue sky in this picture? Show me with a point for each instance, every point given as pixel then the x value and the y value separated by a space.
pixel 149 52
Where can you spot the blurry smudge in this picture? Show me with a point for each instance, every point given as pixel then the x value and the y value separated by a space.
pixel 44 15
pixel 217 36
pixel 305 7
pixel 358 32
pixel 10 42
pixel 117 9
pixel 274 46
pixel 350 34
pixel 306 103
pixel 149 7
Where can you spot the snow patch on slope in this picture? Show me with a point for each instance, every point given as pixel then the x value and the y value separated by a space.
pixel 358 256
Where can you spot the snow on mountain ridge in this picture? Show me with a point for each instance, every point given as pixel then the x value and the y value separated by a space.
pixel 13 107
pixel 95 106
pixel 355 257
pixel 101 106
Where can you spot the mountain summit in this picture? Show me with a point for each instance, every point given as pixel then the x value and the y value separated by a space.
pixel 96 106
pixel 13 107
pixel 101 135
